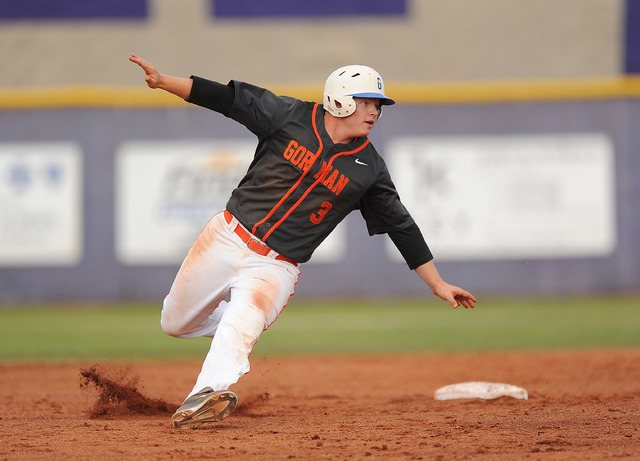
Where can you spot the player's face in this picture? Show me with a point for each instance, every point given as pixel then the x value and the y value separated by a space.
pixel 361 122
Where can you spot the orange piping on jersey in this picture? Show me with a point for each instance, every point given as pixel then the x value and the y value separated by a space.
pixel 311 187
pixel 295 186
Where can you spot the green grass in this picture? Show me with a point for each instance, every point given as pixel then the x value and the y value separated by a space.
pixel 132 332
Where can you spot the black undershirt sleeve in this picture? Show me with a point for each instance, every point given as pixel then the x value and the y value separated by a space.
pixel 212 95
pixel 412 246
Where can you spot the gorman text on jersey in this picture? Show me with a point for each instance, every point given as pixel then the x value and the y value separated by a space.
pixel 303 158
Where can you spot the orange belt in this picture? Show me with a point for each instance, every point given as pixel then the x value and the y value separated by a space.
pixel 253 243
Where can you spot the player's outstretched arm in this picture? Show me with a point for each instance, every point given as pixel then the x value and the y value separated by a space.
pixel 454 295
pixel 181 87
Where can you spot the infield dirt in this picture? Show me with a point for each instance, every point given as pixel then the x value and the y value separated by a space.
pixel 582 405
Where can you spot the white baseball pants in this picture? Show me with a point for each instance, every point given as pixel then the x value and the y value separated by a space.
pixel 219 266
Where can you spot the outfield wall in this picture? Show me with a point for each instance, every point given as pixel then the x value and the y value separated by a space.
pixel 77 186
pixel 514 142
pixel 86 42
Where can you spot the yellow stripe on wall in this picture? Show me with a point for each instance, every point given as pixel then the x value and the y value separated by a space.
pixel 402 92
pixel 451 93
pixel 85 96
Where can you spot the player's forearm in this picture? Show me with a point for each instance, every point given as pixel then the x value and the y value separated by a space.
pixel 179 86
pixel 429 275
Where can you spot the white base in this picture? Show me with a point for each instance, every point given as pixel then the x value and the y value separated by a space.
pixel 480 390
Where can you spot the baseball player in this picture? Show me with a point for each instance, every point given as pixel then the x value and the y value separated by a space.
pixel 313 165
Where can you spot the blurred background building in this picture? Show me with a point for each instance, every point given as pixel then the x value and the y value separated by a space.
pixel 514 143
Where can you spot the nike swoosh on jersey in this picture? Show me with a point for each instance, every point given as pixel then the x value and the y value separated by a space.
pixel 360 162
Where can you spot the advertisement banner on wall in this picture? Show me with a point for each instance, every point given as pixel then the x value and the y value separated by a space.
pixel 509 197
pixel 40 204
pixel 166 192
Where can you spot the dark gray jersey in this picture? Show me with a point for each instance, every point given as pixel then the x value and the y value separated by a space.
pixel 300 185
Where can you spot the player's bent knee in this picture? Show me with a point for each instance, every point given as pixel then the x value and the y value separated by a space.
pixel 172 327
pixel 171 323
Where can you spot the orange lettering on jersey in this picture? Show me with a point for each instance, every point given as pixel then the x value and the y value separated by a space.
pixel 288 152
pixel 324 170
pixel 298 154
pixel 340 184
pixel 307 161
pixel 331 181
pixel 328 182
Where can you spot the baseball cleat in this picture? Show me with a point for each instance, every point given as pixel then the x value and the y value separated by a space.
pixel 203 407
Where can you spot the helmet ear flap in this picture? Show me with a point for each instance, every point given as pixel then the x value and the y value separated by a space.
pixel 339 107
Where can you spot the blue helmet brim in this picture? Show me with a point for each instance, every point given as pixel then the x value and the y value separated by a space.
pixel 384 101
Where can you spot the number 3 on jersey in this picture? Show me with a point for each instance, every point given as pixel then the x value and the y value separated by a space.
pixel 316 218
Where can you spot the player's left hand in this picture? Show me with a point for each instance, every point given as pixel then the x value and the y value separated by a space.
pixel 455 296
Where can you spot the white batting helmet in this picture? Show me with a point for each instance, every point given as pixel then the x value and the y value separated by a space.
pixel 349 81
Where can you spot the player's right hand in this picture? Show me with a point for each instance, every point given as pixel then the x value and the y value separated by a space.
pixel 152 76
